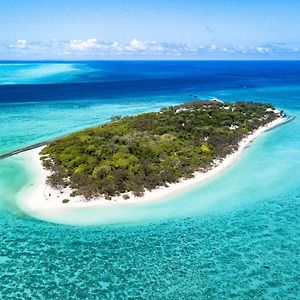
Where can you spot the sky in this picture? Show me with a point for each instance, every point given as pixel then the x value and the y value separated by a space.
pixel 152 29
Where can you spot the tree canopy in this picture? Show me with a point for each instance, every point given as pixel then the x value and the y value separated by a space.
pixel 132 154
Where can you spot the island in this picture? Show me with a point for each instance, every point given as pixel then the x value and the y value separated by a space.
pixel 149 155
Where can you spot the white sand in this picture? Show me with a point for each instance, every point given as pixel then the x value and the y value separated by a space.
pixel 38 196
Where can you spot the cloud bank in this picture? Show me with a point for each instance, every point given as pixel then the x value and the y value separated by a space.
pixel 94 49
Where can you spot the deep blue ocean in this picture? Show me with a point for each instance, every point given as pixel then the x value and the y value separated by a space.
pixel 236 236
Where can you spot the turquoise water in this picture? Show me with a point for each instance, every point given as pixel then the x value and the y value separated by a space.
pixel 236 236
pixel 32 73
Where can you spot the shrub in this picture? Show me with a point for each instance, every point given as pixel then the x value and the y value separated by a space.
pixel 73 194
pixel 126 197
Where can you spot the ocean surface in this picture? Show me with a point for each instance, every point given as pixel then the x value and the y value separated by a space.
pixel 236 236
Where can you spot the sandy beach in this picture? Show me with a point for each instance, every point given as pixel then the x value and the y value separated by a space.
pixel 38 196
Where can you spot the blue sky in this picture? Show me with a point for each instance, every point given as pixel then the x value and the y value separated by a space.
pixel 114 29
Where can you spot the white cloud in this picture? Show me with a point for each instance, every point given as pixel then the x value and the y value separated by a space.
pixel 92 48
pixel 83 45
pixel 226 50
pixel 134 45
pixel 19 44
pixel 93 44
pixel 263 49
pixel 145 47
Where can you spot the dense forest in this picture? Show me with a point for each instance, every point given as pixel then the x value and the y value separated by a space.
pixel 131 154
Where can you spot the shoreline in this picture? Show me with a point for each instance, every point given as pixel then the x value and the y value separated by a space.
pixel 38 196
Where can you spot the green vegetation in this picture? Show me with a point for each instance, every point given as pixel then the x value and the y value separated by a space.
pixel 132 154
